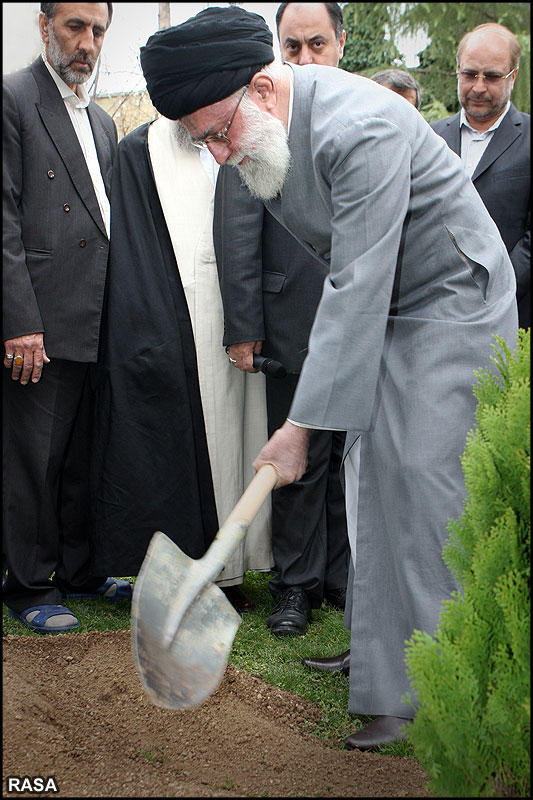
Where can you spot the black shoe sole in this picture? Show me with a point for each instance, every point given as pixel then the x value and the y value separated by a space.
pixel 287 630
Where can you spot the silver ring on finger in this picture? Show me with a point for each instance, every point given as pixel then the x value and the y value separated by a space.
pixel 9 356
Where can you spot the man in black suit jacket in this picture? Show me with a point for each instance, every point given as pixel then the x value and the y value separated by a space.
pixel 493 140
pixel 271 288
pixel 58 151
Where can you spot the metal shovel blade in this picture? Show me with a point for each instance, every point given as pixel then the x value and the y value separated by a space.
pixel 191 669
pixel 182 624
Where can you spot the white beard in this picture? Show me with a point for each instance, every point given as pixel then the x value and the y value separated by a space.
pixel 181 135
pixel 266 148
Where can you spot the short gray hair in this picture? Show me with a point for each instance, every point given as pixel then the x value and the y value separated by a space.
pixel 398 79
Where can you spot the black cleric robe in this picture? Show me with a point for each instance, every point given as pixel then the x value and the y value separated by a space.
pixel 150 462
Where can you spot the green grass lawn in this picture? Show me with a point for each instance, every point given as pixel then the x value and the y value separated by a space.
pixel 274 660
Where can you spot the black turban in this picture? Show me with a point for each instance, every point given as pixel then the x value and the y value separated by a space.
pixel 205 59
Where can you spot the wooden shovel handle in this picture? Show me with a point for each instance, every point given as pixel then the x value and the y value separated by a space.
pixel 203 570
pixel 254 495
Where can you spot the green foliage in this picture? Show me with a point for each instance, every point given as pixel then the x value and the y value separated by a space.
pixel 471 730
pixel 444 24
pixel 496 461
pixel 367 47
pixel 521 96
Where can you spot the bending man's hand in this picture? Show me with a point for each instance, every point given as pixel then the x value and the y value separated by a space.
pixel 28 357
pixel 242 355
pixel 286 450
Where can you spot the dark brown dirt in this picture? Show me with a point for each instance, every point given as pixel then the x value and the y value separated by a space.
pixel 74 709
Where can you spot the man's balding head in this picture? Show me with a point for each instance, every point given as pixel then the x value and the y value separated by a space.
pixel 492 35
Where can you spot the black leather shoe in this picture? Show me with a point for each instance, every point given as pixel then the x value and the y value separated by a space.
pixel 380 731
pixel 332 664
pixel 237 598
pixel 336 598
pixel 291 613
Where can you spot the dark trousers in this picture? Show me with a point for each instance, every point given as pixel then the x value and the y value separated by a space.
pixel 309 533
pixel 46 516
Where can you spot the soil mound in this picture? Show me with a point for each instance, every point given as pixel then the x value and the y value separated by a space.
pixel 74 710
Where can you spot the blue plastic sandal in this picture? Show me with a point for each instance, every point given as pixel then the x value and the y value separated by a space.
pixel 46 612
pixel 123 591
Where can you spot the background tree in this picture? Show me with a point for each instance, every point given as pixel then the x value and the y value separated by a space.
pixel 369 46
pixel 444 24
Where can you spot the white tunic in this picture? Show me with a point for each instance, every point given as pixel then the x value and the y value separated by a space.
pixel 234 402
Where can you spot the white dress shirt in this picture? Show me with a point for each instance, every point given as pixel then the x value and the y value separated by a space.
pixel 209 163
pixel 474 143
pixel 76 106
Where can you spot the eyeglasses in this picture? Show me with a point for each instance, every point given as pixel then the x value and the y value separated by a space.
pixel 222 136
pixel 491 78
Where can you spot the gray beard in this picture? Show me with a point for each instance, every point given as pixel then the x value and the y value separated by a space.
pixel 262 178
pixel 491 112
pixel 181 135
pixel 57 58
pixel 265 145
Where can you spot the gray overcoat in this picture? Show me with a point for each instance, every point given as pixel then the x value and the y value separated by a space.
pixel 419 282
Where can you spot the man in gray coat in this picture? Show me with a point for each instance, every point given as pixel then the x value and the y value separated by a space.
pixel 270 288
pixel 493 141
pixel 58 151
pixel 419 283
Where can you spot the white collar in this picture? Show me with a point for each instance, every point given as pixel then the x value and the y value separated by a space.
pixel 291 97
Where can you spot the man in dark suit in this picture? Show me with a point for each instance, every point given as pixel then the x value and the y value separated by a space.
pixel 58 151
pixel 270 288
pixel 493 140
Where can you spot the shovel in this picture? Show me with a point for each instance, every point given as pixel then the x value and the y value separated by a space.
pixel 182 624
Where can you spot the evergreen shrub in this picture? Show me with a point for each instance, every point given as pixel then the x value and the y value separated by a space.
pixel 471 680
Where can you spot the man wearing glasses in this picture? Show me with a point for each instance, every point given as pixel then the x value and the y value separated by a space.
pixel 221 137
pixel 493 140
pixel 271 286
pixel 418 282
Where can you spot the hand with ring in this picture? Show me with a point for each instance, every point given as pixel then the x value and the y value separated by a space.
pixel 241 355
pixel 25 356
